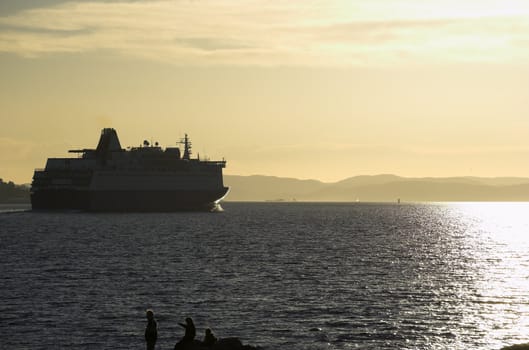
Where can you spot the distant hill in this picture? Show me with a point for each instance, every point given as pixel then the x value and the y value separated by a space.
pixel 260 188
pixel 378 188
pixel 11 193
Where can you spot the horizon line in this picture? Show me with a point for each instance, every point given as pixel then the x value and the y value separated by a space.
pixel 5 180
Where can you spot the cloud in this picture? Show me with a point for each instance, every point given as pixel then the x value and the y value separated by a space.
pixel 212 44
pixel 470 151
pixel 259 32
pixel 319 148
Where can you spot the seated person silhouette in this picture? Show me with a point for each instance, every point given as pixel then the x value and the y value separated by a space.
pixel 209 339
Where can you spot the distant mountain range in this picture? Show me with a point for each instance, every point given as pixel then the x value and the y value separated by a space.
pixel 378 188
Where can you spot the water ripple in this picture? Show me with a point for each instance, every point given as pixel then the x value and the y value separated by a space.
pixel 292 276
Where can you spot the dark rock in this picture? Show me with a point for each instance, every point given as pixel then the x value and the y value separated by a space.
pixel 221 344
pixel 517 347
pixel 228 344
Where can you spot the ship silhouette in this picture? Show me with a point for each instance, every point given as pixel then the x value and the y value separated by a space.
pixel 148 178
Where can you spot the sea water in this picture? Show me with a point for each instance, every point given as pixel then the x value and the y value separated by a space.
pixel 277 275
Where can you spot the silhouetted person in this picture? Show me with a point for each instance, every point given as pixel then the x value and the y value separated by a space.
pixel 190 333
pixel 209 339
pixel 151 331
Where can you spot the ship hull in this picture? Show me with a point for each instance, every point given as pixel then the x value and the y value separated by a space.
pixel 127 200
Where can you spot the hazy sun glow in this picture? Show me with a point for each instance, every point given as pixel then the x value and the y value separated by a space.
pixel 417 88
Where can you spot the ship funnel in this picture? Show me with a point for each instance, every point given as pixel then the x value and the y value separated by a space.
pixel 108 142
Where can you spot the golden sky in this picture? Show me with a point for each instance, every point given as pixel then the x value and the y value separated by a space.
pixel 309 89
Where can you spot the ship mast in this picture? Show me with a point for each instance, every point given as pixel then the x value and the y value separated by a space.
pixel 187 147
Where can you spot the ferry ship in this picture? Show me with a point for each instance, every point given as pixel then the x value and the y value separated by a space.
pixel 148 178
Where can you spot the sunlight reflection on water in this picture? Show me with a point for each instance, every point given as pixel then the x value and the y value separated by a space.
pixel 504 222
pixel 501 235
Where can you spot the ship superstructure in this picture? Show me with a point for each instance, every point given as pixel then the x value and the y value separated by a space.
pixel 146 178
